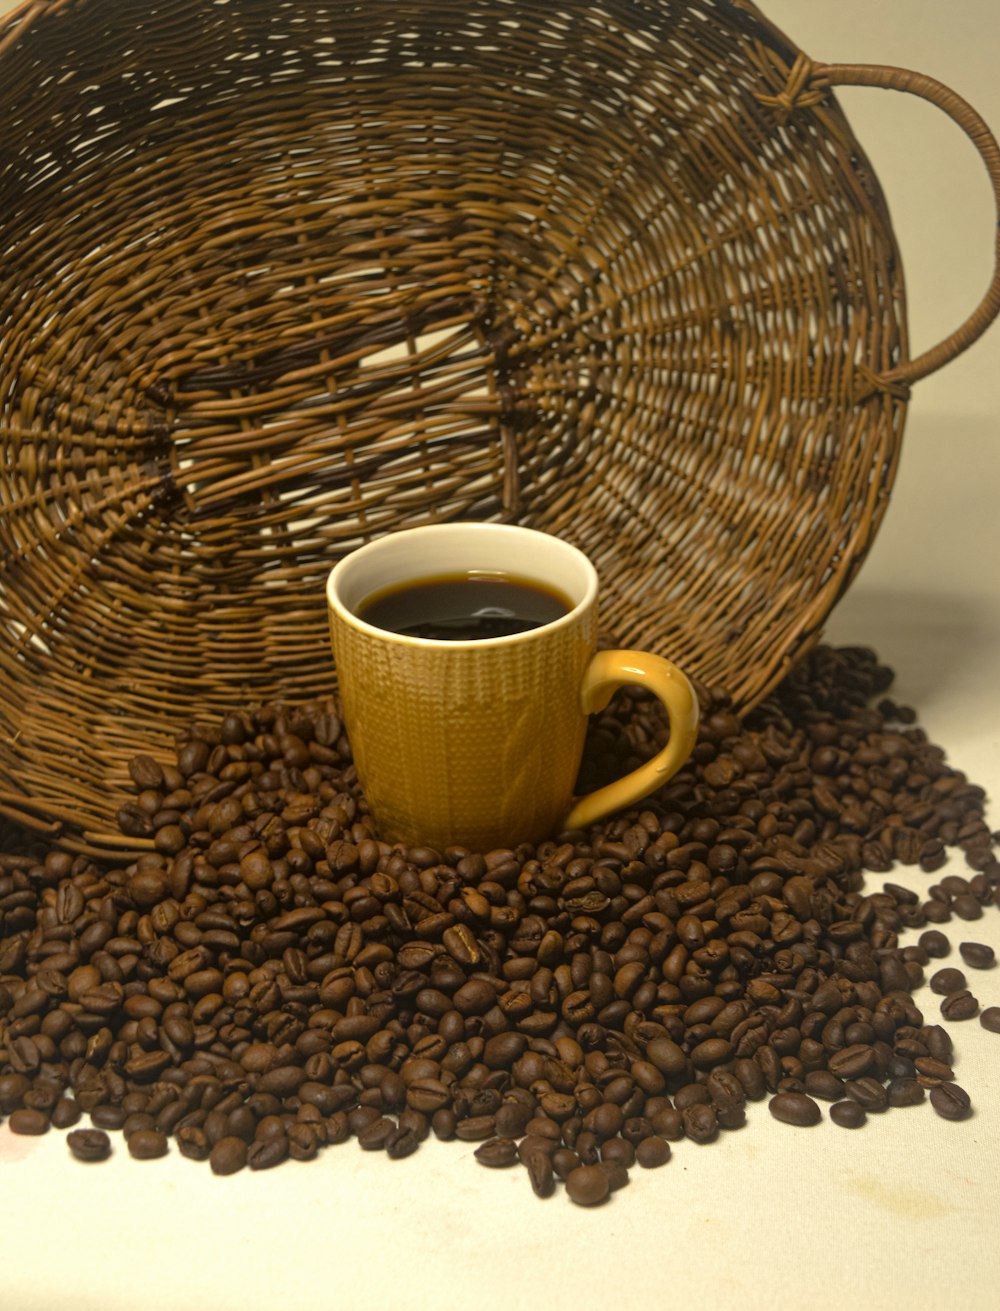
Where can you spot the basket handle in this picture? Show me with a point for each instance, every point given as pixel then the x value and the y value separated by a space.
pixel 918 84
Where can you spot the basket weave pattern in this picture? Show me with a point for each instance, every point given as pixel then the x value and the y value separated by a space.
pixel 276 277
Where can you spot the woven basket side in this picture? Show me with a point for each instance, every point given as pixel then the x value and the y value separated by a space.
pixel 273 280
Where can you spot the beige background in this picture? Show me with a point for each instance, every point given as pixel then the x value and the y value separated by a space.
pixel 902 1214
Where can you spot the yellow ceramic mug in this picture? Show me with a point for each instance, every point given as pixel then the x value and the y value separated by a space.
pixel 478 743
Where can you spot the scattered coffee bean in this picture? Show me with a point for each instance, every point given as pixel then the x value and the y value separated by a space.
pixel 587 1185
pixel 266 1153
pixel 960 1006
pixel 950 1101
pixel 795 1108
pixel 27 1121
pixel 868 1092
pixel 978 955
pixel 821 1083
pixel 65 1113
pixel 947 980
pixel 497 1153
pixel 652 1152
pixel 89 1144
pixel 228 1155
pixel 990 1019
pixel 934 943
pixel 848 1114
pixel 905 1092
pixel 148 1144
pixel 270 978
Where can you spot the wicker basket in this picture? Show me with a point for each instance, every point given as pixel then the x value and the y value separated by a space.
pixel 276 277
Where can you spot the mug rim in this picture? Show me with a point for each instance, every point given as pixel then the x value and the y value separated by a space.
pixel 347 615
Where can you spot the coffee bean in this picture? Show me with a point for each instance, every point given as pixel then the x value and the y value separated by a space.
pixel 652 1152
pixel 701 1123
pixel 65 1113
pixel 27 1121
pixel 947 980
pixel 868 1092
pixel 960 1005
pixel 934 943
pixel 107 1116
pixel 824 1084
pixel 228 1156
pixel 905 1092
pixel 967 907
pixel 193 1143
pixel 852 1061
pixel 977 954
pixel 538 1163
pixel 147 1144
pixel 938 1041
pixel 950 1101
pixel 848 1114
pixel 89 1144
pixel 617 1174
pixel 266 1153
pixel 497 1153
pixel 931 1068
pixel 269 972
pixel 587 1185
pixel 794 1108
pixel 990 1019
pixel 617 1149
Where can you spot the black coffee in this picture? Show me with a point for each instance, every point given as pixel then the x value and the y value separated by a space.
pixel 464 607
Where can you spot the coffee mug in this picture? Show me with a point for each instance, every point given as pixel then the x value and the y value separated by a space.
pixel 477 742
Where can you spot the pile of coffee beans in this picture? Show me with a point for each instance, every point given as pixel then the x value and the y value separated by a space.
pixel 269 978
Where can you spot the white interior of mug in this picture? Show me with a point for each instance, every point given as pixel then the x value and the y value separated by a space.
pixel 437 549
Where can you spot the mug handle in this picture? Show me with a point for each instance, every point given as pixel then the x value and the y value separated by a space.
pixel 609 670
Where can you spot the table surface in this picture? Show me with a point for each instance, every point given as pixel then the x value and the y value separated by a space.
pixel 899 1214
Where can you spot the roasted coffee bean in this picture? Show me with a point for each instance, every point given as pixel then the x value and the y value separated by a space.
pixel 89 1144
pixel 269 972
pixel 978 955
pixel 27 1121
pixel 868 1092
pixel 950 1101
pixel 794 1108
pixel 852 1061
pixel 990 1019
pixel 147 1144
pixel 934 943
pixel 228 1156
pixel 266 1153
pixel 65 1113
pixel 848 1114
pixel 587 1185
pixel 619 1150
pixel 701 1123
pixel 821 1083
pixel 905 1092
pixel 538 1163
pixel 374 1136
pixel 497 1153
pixel 960 1005
pixel 967 907
pixel 947 980
pixel 652 1152
pixel 107 1116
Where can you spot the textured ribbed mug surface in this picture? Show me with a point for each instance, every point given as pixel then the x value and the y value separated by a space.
pixel 478 744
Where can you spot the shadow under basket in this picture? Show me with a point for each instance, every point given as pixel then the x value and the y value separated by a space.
pixel 276 278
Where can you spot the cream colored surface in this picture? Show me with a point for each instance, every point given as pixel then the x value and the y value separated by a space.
pixel 901 1214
